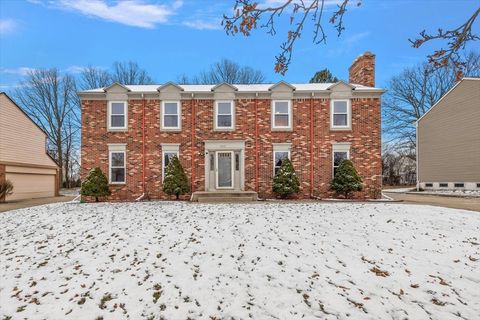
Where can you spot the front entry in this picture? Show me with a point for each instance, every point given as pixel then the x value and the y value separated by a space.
pixel 224 168
pixel 224 165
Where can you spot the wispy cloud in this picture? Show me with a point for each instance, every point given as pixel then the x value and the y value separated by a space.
pixel 7 26
pixel 21 71
pixel 136 13
pixel 356 37
pixel 348 44
pixel 201 24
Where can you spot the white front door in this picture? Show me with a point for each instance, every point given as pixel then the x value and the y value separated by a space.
pixel 224 167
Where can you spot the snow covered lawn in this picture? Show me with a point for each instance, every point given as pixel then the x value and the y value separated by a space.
pixel 165 260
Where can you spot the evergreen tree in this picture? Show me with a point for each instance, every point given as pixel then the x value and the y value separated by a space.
pixel 323 76
pixel 95 184
pixel 286 181
pixel 347 179
pixel 176 181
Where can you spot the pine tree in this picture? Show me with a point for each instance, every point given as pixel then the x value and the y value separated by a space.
pixel 95 184
pixel 176 181
pixel 347 179
pixel 323 76
pixel 286 181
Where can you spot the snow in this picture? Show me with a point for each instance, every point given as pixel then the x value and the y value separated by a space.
pixel 257 87
pixel 179 260
pixel 454 193
pixel 398 190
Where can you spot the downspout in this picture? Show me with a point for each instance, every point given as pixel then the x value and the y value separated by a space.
pixel 193 145
pixel 143 150
pixel 312 138
pixel 416 155
pixel 257 160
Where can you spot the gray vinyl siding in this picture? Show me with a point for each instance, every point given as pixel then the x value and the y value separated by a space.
pixel 449 137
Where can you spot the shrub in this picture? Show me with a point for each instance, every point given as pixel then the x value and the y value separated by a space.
pixel 6 188
pixel 176 181
pixel 286 181
pixel 347 179
pixel 95 184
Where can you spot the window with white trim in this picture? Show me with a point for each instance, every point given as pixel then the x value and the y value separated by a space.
pixel 171 115
pixel 224 115
pixel 117 164
pixel 117 115
pixel 340 111
pixel 281 152
pixel 281 114
pixel 340 153
pixel 168 152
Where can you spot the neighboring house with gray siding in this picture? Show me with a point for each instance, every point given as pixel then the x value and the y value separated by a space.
pixel 448 140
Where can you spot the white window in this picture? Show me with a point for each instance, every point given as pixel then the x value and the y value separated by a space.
pixel 281 114
pixel 116 163
pixel 171 115
pixel 281 151
pixel 224 115
pixel 340 114
pixel 341 152
pixel 169 150
pixel 117 115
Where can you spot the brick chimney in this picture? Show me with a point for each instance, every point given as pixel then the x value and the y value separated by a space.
pixel 362 70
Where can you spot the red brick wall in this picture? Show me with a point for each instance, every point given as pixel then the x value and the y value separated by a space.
pixel 362 70
pixel 365 150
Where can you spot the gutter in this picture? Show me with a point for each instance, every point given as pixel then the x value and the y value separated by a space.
pixel 416 155
pixel 257 160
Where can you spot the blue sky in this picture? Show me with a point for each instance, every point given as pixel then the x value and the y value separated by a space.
pixel 173 37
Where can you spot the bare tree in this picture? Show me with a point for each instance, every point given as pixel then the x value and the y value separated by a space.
pixel 129 73
pixel 93 77
pixel 49 98
pixel 226 71
pixel 249 15
pixel 412 93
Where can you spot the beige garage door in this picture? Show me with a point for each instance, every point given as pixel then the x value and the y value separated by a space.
pixel 26 186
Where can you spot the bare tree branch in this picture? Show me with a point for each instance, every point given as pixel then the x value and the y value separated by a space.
pixel 456 40
pixel 248 15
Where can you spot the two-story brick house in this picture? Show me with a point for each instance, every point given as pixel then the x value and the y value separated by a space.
pixel 232 137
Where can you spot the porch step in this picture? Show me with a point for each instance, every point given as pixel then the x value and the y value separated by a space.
pixel 224 196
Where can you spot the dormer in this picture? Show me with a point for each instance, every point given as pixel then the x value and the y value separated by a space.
pixel 170 91
pixel 224 91
pixel 341 90
pixel 281 90
pixel 116 91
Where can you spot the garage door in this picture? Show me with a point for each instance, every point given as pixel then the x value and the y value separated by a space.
pixel 26 186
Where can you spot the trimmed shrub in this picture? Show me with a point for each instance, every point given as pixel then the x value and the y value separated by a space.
pixel 286 181
pixel 175 181
pixel 95 184
pixel 347 179
pixel 6 188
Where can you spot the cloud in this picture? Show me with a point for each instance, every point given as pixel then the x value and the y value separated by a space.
pixel 203 24
pixel 21 71
pixel 134 13
pixel 7 26
pixel 356 37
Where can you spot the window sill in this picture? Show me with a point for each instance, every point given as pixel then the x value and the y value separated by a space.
pixel 224 129
pixel 341 129
pixel 117 130
pixel 117 183
pixel 281 129
pixel 173 130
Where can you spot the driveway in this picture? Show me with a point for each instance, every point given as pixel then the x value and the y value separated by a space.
pixel 181 260
pixel 26 203
pixel 441 201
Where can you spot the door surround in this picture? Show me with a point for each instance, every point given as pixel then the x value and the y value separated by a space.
pixel 225 145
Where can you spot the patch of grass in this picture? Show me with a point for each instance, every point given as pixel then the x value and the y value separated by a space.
pixel 22 308
pixel 105 299
pixel 82 301
pixel 156 296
